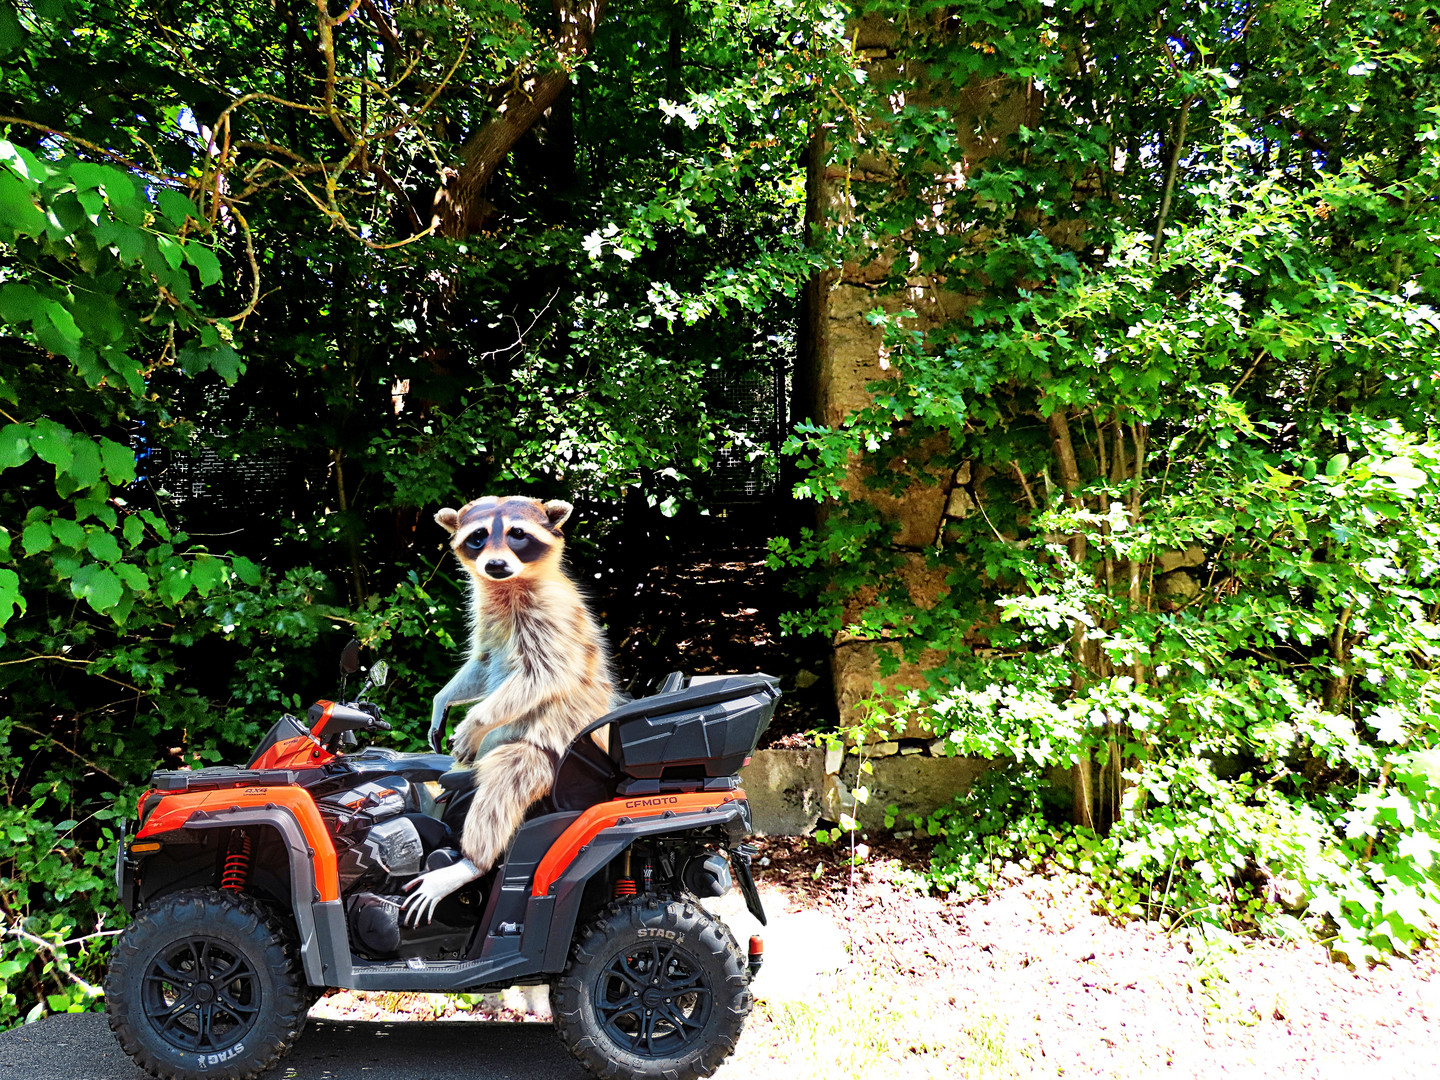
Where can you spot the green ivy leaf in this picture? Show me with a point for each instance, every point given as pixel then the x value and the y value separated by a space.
pixel 134 530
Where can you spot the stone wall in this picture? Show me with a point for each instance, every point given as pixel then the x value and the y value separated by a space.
pixel 792 791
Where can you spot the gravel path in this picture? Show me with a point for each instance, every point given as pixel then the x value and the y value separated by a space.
pixel 1078 995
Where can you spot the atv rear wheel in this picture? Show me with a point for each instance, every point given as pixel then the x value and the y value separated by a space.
pixel 656 989
pixel 203 984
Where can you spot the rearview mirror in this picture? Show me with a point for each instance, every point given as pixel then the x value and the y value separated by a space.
pixel 350 658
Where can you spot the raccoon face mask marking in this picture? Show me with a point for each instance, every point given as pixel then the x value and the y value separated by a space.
pixel 498 539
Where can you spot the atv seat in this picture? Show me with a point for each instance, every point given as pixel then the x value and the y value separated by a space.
pixel 457 779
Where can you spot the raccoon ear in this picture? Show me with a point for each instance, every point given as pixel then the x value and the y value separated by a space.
pixel 558 511
pixel 448 520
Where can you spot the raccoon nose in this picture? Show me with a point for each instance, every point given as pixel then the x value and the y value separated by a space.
pixel 497 568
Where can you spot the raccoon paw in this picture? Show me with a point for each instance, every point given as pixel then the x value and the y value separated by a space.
pixel 430 888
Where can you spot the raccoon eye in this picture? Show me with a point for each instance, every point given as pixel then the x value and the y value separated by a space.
pixel 477 539
pixel 518 534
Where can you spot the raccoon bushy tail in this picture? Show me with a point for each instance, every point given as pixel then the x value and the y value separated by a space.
pixel 507 780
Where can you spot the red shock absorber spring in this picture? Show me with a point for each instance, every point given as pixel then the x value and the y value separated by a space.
pixel 625 884
pixel 236 874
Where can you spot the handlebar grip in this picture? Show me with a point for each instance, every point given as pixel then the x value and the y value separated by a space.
pixel 380 725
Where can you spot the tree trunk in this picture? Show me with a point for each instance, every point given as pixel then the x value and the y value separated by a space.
pixel 1082 773
pixel 459 207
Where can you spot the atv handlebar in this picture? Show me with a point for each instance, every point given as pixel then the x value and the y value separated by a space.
pixel 331 718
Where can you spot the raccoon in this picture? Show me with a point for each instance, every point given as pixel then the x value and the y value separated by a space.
pixel 538 668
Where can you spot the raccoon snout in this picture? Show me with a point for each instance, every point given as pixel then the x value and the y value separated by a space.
pixel 498 569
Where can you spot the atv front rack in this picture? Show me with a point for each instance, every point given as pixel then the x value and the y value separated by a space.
pixel 224 776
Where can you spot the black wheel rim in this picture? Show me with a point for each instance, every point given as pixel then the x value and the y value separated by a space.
pixel 653 1000
pixel 201 995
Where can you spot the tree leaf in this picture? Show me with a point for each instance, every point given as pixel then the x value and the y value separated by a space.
pixel 119 461
pixel 69 533
pixel 12 32
pixel 84 462
pixel 133 576
pixel 174 583
pixel 173 253
pixel 204 260
pixel 15 446
pixel 97 585
pixel 177 208
pixel 246 570
pixel 36 538
pixel 52 443
pixel 10 595
pixel 103 545
pixel 207 572
pixel 18 213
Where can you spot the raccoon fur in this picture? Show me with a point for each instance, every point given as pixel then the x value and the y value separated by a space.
pixel 537 669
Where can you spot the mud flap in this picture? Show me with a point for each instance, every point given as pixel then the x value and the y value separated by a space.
pixel 740 863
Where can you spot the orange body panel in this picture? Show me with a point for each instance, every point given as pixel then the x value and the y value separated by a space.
pixel 175 810
pixel 604 815
pixel 297 753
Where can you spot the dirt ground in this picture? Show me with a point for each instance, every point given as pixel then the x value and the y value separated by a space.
pixel 873 976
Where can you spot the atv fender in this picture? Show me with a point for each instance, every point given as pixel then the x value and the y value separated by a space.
pixel 314 884
pixel 588 847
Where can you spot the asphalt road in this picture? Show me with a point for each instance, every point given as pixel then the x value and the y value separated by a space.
pixel 79 1046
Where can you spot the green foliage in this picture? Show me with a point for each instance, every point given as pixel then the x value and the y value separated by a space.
pixel 1182 358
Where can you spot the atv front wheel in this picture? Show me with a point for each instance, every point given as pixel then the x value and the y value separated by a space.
pixel 202 984
pixel 656 989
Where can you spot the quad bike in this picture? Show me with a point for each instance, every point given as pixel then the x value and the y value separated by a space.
pixel 254 889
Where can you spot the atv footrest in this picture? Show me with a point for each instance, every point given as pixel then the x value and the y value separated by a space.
pixel 441 976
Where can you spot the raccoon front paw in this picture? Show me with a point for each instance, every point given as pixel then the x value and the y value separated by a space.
pixel 429 889
pixel 461 753
pixel 462 747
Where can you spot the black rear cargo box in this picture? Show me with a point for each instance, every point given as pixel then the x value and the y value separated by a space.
pixel 706 730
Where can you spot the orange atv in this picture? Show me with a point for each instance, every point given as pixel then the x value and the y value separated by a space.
pixel 254 889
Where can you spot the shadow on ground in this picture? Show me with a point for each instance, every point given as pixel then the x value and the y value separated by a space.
pixel 81 1047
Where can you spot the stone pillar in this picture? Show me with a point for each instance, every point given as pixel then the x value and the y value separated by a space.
pixel 841 351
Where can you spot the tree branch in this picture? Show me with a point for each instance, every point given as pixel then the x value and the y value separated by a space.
pixel 458 207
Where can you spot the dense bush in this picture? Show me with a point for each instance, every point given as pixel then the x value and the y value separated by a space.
pixel 1190 368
